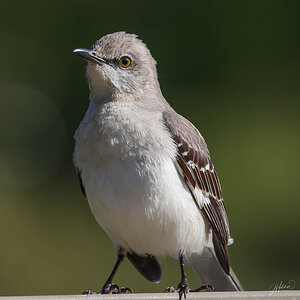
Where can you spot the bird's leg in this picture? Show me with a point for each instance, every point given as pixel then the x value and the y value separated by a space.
pixel 183 286
pixel 109 287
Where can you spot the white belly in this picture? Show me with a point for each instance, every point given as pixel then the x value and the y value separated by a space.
pixel 146 212
pixel 133 187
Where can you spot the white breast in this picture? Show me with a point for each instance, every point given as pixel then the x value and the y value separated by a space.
pixel 132 184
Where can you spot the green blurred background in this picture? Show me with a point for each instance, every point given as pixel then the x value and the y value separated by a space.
pixel 231 67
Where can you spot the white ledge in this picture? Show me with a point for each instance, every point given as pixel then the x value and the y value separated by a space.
pixel 252 295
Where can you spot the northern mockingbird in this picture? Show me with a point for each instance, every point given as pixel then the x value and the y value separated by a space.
pixel 146 170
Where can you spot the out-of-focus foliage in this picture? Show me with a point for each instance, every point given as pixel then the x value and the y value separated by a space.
pixel 231 67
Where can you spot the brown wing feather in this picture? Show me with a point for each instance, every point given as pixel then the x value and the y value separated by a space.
pixel 198 171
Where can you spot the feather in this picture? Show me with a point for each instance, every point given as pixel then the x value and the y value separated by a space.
pixel 196 167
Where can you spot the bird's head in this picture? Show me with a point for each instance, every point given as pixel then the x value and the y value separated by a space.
pixel 120 66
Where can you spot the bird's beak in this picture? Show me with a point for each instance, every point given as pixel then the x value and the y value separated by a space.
pixel 89 55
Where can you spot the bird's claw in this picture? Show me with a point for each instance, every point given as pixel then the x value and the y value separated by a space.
pixel 170 289
pixel 110 288
pixel 183 289
pixel 125 290
pixel 89 292
pixel 204 288
pixel 115 289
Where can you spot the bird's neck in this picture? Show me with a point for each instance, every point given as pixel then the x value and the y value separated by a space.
pixel 99 91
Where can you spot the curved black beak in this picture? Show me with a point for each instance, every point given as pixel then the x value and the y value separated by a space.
pixel 89 55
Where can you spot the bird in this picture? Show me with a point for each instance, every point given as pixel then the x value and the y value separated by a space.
pixel 146 171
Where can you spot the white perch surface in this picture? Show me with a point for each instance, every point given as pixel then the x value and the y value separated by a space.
pixel 248 295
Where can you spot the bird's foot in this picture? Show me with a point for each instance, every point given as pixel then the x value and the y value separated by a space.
pixel 89 292
pixel 183 289
pixel 125 290
pixel 204 288
pixel 170 289
pixel 109 288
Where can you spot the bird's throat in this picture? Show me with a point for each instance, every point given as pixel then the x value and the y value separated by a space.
pixel 100 91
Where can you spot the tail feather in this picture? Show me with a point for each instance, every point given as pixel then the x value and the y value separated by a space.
pixel 235 280
pixel 210 271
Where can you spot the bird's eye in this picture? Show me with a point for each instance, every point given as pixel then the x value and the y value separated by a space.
pixel 125 62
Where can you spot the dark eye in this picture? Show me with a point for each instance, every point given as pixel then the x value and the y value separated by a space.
pixel 125 62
